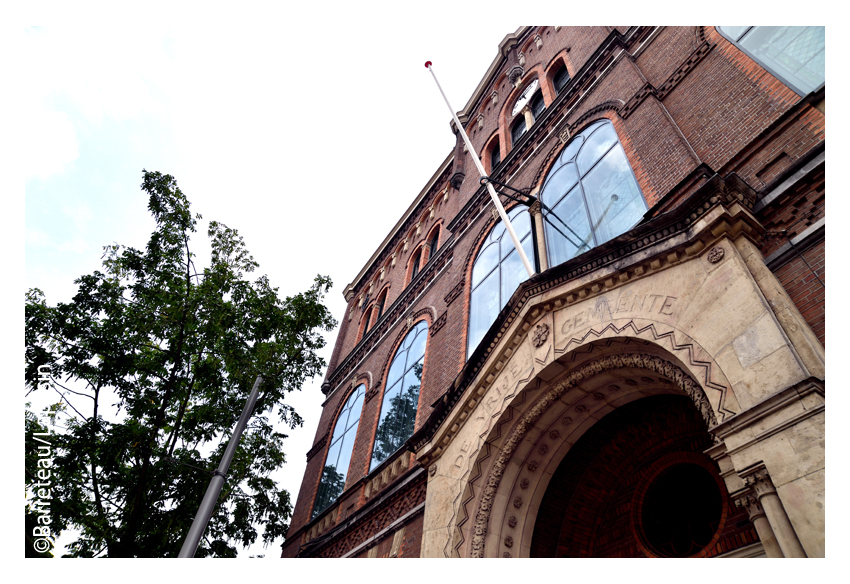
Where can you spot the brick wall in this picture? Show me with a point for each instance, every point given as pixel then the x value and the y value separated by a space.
pixel 594 497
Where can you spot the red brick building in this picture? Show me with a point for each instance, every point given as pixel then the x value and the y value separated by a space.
pixel 656 388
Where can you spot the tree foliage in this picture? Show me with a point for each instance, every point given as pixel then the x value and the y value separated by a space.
pixel 175 352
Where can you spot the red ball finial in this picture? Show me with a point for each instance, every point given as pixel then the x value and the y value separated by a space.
pixel 427 64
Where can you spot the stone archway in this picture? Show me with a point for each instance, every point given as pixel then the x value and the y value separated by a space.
pixel 539 428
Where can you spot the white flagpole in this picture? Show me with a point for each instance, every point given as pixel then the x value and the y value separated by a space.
pixel 483 174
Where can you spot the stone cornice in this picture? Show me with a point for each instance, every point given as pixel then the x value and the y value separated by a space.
pixel 400 227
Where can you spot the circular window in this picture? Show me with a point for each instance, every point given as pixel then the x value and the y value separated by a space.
pixel 681 511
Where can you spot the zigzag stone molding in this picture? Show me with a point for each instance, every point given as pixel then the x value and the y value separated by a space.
pixel 527 421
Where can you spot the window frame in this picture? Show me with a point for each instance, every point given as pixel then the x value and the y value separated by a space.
pixel 766 66
pixel 414 328
pixel 359 391
pixel 595 126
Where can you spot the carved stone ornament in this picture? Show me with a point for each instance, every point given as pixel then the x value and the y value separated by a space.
pixel 543 449
pixel 518 502
pixel 506 555
pixel 494 97
pixel 418 227
pixel 536 208
pixel 646 379
pixel 409 321
pixel 557 28
pixel 567 421
pixel 760 482
pixel 554 434
pixel 405 244
pixel 393 258
pixel 538 41
pixel 751 503
pixel 509 541
pixel 446 192
pixel 494 213
pixel 598 396
pixel 523 484
pixel 564 135
pixel 541 333
pixel 480 121
pixel 431 212
pixel 716 254
pixel 532 466
pixel 613 388
pixel 432 470
pixel 581 408
pixel 512 521
pixel 528 420
pixel 514 75
pixel 631 382
pixel 382 273
pixel 521 59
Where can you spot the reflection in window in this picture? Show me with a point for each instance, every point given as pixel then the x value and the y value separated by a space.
pixel 339 454
pixel 496 273
pixel 794 54
pixel 398 411
pixel 591 188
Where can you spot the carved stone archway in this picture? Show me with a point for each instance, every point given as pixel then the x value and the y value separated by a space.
pixel 545 413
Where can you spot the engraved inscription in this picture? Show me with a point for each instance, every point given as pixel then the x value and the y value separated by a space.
pixel 603 308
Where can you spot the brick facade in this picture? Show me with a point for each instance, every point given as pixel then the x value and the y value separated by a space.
pixel 688 106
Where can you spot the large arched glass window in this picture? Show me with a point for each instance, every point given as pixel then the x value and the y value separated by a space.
pixel 794 54
pixel 496 273
pixel 401 396
pixel 592 192
pixel 339 453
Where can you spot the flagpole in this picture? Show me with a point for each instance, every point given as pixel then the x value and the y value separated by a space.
pixel 496 202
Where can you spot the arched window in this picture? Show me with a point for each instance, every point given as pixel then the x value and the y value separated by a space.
pixel 434 241
pixel 793 54
pixel 401 396
pixel 379 305
pixel 561 78
pixel 496 273
pixel 339 453
pixel 592 189
pixel 495 155
pixel 367 316
pixel 518 129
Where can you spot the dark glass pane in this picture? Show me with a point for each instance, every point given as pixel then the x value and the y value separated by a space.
pixel 571 210
pixel 434 240
pixel 559 183
pixel 488 258
pixel 612 193
pixel 518 129
pixel 595 146
pixel 537 104
pixel 484 306
pixel 495 157
pixel 561 79
pixel 416 265
pixel 381 301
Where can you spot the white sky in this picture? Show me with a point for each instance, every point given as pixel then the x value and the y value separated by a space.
pixel 309 127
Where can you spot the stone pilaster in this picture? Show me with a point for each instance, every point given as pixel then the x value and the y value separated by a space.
pixel 759 481
pixel 759 520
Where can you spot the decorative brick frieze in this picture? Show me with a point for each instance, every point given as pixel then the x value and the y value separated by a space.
pixel 439 324
pixel 454 293
pixel 317 447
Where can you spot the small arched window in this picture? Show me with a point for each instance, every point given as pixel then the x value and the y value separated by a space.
pixel 337 461
pixel 495 155
pixel 561 78
pixel 433 242
pixel 379 305
pixel 518 129
pixel 401 396
pixel 793 54
pixel 367 316
pixel 592 192
pixel 496 273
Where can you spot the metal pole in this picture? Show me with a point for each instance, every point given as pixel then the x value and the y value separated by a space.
pixel 490 189
pixel 205 511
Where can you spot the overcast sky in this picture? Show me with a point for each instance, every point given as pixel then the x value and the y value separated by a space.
pixel 308 129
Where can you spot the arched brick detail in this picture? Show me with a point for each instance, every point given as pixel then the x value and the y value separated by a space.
pixel 580 374
pixel 593 502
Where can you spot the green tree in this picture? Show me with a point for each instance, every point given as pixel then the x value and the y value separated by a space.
pixel 175 351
